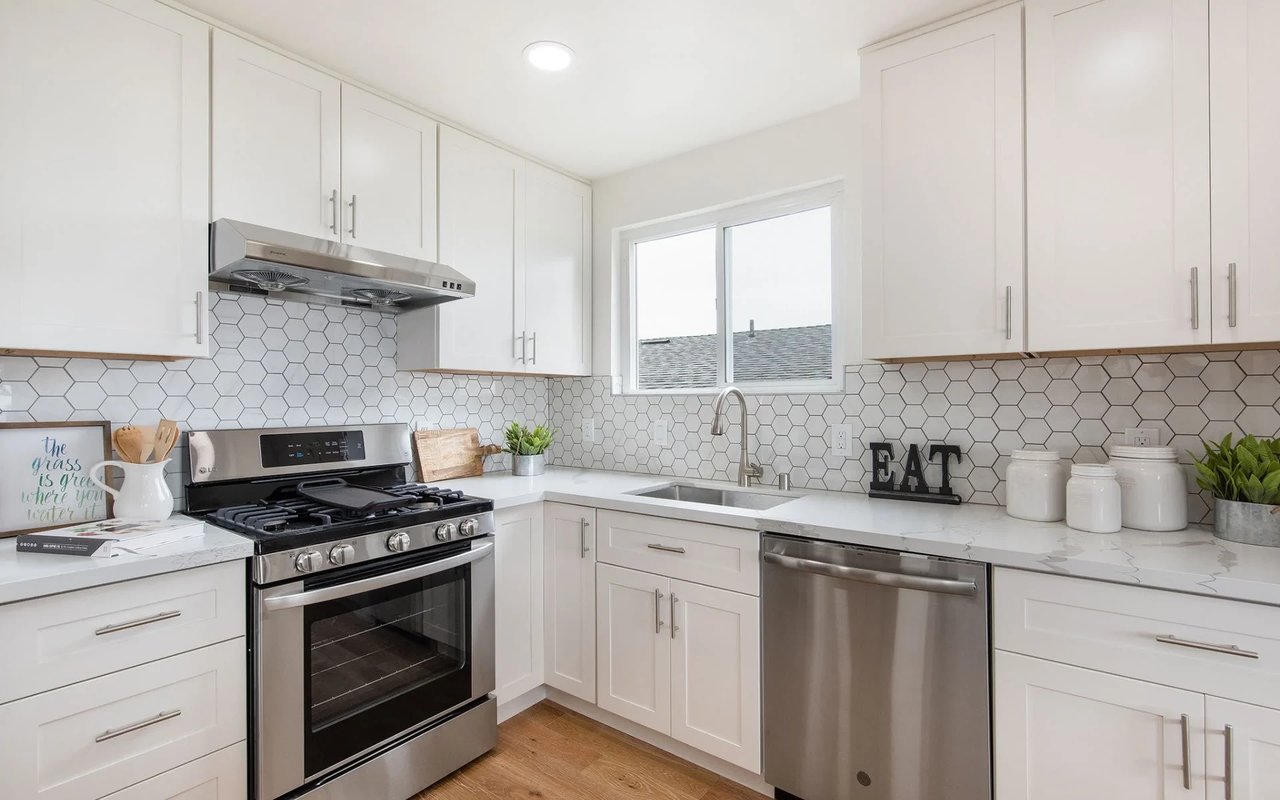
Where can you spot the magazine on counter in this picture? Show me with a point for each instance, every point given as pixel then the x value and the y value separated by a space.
pixel 109 536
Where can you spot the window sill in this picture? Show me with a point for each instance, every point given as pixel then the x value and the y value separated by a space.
pixel 816 387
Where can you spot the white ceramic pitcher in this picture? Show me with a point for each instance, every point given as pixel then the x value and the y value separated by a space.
pixel 143 497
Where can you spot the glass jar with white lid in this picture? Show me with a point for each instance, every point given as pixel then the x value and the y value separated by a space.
pixel 1036 486
pixel 1153 488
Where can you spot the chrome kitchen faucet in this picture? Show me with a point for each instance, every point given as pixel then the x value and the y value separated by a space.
pixel 747 471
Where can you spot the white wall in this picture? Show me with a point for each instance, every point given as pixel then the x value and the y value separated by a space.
pixel 803 151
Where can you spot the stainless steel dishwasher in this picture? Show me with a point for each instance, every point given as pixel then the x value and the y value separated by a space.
pixel 876 674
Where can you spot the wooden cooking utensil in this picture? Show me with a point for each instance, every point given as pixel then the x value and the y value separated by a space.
pixel 450 453
pixel 166 438
pixel 129 442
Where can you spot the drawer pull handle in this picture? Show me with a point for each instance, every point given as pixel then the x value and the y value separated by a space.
pixel 1225 649
pixel 664 548
pixel 137 726
pixel 137 623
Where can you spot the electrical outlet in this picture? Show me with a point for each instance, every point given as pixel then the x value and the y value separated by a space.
pixel 660 437
pixel 589 431
pixel 1142 437
pixel 842 440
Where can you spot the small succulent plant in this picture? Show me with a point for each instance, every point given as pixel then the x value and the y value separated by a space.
pixel 1246 471
pixel 523 441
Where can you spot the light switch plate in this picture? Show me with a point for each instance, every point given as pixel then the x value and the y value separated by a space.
pixel 589 431
pixel 841 440
pixel 661 436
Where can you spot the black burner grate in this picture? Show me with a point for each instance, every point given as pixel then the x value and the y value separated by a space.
pixel 296 515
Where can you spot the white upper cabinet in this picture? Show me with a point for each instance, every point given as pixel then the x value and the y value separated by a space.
pixel 104 178
pixel 388 176
pixel 276 140
pixel 1245 114
pixel 1118 174
pixel 557 275
pixel 943 266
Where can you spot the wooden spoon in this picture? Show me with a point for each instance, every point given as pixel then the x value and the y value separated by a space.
pixel 166 438
pixel 128 442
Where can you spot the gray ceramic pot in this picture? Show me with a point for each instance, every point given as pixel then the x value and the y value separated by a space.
pixel 529 465
pixel 1247 523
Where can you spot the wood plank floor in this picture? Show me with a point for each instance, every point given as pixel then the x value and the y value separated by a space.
pixel 551 752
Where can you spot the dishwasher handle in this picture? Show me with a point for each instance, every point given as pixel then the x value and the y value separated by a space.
pixel 895 580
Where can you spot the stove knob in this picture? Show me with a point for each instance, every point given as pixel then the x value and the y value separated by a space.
pixel 398 542
pixel 445 532
pixel 468 527
pixel 342 554
pixel 308 561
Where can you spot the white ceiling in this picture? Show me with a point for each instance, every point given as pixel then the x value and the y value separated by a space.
pixel 651 78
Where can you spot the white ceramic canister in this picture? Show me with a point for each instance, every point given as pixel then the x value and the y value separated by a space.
pixel 1036 486
pixel 1153 488
pixel 1093 499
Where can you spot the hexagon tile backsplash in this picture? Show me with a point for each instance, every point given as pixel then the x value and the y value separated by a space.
pixel 281 363
pixel 1077 406
pixel 274 363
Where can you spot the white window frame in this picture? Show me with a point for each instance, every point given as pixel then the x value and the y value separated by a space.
pixel 829 194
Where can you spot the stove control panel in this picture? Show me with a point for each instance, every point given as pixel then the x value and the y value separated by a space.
pixel 311 447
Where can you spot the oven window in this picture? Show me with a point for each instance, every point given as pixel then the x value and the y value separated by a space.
pixel 382 662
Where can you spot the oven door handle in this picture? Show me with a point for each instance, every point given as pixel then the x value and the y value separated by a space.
pixel 376 582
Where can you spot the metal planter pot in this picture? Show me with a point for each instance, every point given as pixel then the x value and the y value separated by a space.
pixel 529 465
pixel 1247 523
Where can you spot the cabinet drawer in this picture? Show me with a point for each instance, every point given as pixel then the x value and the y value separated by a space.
pixel 691 551
pixel 1159 636
pixel 218 776
pixel 58 640
pixel 102 735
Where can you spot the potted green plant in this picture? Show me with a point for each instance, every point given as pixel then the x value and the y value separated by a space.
pixel 528 448
pixel 1244 478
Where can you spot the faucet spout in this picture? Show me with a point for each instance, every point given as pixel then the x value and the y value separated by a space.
pixel 747 471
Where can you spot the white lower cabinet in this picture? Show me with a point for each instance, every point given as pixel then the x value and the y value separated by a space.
pixel 518 570
pixel 218 776
pixel 1066 733
pixel 569 598
pixel 683 659
pixel 1243 745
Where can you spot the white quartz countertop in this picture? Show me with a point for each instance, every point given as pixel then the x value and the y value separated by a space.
pixel 27 575
pixel 1189 561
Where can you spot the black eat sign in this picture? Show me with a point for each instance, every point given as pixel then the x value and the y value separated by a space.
pixel 913 486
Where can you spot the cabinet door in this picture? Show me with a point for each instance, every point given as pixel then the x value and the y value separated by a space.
pixel 557 272
pixel 1117 174
pixel 218 776
pixel 1066 733
pixel 388 176
pixel 1245 113
pixel 943 194
pixel 480 202
pixel 518 595
pixel 1243 745
pixel 633 646
pixel 715 672
pixel 570 599
pixel 104 178
pixel 276 134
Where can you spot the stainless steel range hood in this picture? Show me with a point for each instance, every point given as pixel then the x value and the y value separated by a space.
pixel 258 260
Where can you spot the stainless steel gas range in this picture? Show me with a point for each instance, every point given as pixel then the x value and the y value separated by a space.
pixel 372 609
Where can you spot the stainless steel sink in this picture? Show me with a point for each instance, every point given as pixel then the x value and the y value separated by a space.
pixel 732 498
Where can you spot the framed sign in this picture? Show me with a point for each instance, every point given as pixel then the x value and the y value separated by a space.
pixel 44 474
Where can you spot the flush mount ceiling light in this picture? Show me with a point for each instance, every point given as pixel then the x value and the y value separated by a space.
pixel 549 56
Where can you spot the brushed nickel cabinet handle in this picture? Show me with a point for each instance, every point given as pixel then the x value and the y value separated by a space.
pixel 520 347
pixel 137 623
pixel 657 611
pixel 1231 295
pixel 582 537
pixel 200 317
pixel 666 549
pixel 674 626
pixel 333 209
pixel 533 340
pixel 1225 649
pixel 1186 752
pixel 1195 298
pixel 137 726
pixel 1008 312
pixel 1230 772
pixel 353 216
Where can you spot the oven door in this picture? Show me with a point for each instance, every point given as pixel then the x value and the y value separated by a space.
pixel 350 660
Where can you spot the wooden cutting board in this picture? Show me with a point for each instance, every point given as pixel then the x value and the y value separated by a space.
pixel 450 453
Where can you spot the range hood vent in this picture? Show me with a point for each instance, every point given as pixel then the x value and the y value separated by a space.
pixel 251 258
